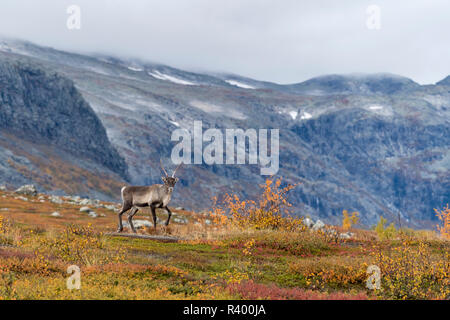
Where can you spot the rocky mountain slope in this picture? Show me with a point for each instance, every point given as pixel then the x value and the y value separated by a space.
pixel 378 144
pixel 44 118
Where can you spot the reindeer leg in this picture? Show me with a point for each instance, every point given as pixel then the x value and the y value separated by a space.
pixel 169 214
pixel 154 215
pixel 130 218
pixel 125 208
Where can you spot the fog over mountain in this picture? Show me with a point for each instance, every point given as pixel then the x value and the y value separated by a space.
pixel 375 143
pixel 284 41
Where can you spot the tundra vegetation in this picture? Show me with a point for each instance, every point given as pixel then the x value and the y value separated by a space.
pixel 239 249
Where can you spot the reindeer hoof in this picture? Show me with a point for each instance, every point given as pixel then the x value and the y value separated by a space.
pixel 119 230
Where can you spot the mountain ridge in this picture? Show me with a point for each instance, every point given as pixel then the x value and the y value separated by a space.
pixel 395 133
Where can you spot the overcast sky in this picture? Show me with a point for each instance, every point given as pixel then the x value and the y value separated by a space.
pixel 282 41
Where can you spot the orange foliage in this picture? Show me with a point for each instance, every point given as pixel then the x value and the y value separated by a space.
pixel 269 211
pixel 349 221
pixel 444 216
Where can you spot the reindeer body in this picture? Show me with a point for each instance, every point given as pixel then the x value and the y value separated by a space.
pixel 158 195
pixel 155 196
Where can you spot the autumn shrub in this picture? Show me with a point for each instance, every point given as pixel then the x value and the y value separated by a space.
pixel 349 220
pixel 269 211
pixel 255 291
pixel 79 244
pixel 260 242
pixel 444 217
pixel 411 271
pixel 34 263
pixel 383 232
pixel 9 233
pixel 325 273
pixel 3 231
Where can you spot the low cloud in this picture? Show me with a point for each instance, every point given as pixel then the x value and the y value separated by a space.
pixel 282 41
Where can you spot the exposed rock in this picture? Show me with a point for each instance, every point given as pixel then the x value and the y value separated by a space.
pixel 56 214
pixel 57 200
pixel 319 225
pixel 207 221
pixel 110 207
pixel 139 224
pixel 85 209
pixel 180 220
pixel 3 188
pixel 92 214
pixel 21 198
pixel 85 202
pixel 179 208
pixel 44 107
pixel 308 222
pixel 28 190
pixel 346 235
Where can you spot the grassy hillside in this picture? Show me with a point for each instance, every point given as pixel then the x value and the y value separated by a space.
pixel 210 258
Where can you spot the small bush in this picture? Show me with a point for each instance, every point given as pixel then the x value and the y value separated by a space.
pixel 385 233
pixel 409 271
pixel 444 217
pixel 78 244
pixel 349 221
pixel 269 211
pixel 325 273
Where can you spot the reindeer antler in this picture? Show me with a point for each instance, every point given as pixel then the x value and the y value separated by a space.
pixel 173 174
pixel 162 167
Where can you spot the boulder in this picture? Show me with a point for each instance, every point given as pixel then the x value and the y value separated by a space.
pixel 308 222
pixel 319 225
pixel 180 220
pixel 92 214
pixel 110 207
pixel 346 235
pixel 85 209
pixel 56 214
pixel 85 202
pixel 139 224
pixel 28 190
pixel 57 200
pixel 2 188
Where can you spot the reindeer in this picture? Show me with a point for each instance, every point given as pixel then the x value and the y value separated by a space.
pixel 155 196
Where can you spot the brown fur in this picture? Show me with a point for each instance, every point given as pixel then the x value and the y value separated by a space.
pixel 155 196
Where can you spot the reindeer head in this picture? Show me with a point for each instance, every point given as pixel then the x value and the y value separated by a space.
pixel 169 181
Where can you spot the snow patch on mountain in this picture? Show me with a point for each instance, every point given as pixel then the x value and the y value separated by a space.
pixel 306 116
pixel 135 69
pixel 379 109
pixel 161 76
pixel 293 114
pixel 239 84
